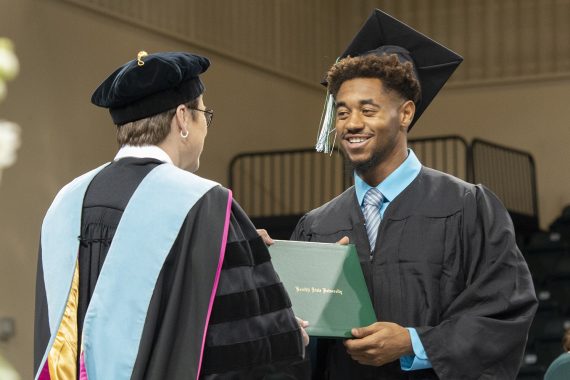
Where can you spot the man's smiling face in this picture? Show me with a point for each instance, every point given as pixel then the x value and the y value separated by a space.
pixel 369 122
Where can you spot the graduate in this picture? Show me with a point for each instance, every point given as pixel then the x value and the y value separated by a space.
pixel 452 293
pixel 147 271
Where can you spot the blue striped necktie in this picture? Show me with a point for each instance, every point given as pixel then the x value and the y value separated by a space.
pixel 372 202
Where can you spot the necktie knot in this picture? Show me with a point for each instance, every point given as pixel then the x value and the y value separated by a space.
pixel 373 197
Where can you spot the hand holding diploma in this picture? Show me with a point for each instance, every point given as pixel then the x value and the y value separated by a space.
pixel 303 324
pixel 265 236
pixel 379 343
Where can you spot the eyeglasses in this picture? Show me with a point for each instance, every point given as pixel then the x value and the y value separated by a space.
pixel 208 113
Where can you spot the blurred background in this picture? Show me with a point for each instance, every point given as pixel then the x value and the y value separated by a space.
pixel 502 120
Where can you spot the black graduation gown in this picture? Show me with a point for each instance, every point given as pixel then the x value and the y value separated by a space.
pixel 252 331
pixel 445 263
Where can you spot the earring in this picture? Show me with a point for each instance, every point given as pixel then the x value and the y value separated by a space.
pixel 183 135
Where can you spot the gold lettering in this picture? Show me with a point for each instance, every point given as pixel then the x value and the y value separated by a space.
pixel 321 290
pixel 302 290
pixel 332 291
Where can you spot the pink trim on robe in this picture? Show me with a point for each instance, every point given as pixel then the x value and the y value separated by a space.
pixel 44 374
pixel 216 279
pixel 82 369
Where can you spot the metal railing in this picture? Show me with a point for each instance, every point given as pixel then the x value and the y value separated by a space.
pixel 448 154
pixel 286 184
pixel 511 175
pixel 292 182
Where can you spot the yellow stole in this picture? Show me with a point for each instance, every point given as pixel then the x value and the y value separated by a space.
pixel 62 358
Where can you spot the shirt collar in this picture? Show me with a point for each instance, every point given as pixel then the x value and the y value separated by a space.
pixel 395 183
pixel 147 151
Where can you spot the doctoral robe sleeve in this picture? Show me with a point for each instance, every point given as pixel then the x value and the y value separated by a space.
pixel 484 329
pixel 253 332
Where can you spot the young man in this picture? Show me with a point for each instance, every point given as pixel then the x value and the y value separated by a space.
pixel 147 271
pixel 452 293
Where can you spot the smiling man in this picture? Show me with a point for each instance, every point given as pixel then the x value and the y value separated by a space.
pixel 452 292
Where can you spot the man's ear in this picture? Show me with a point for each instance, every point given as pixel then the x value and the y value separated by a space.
pixel 407 112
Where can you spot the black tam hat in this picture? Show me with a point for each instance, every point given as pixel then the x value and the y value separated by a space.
pixel 383 34
pixel 151 84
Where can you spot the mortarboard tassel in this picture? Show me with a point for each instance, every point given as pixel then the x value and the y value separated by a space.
pixel 327 127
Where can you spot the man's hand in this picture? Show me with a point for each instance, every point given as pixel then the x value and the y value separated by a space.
pixel 343 241
pixel 379 343
pixel 265 236
pixel 303 324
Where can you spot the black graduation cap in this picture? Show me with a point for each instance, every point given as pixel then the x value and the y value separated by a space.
pixel 151 84
pixel 383 34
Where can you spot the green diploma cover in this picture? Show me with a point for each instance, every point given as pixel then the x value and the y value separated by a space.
pixel 326 286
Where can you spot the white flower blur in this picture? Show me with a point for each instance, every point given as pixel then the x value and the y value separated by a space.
pixel 9 143
pixel 9 66
pixel 7 372
pixel 9 132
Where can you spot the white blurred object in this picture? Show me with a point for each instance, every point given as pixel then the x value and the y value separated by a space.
pixel 7 372
pixel 9 143
pixel 9 65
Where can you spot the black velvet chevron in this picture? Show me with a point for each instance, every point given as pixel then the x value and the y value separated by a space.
pixel 252 323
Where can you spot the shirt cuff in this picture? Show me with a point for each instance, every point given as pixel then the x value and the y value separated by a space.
pixel 419 360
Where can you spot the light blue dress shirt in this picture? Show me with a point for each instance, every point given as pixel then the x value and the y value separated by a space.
pixel 390 188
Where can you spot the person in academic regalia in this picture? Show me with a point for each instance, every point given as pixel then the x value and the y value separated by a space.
pixel 452 293
pixel 147 271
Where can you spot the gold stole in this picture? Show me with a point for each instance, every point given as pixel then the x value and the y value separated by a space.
pixel 62 359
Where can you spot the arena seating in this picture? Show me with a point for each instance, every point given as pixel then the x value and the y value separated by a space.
pixel 548 257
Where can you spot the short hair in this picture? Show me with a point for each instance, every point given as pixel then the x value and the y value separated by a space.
pixel 151 130
pixel 566 340
pixel 395 75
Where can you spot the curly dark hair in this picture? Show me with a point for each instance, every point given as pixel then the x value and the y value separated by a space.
pixel 566 340
pixel 395 75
